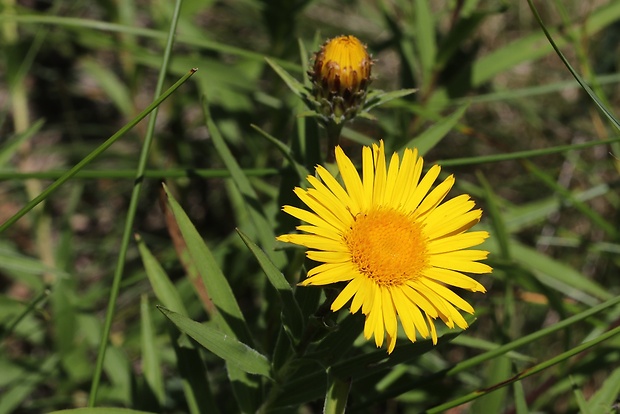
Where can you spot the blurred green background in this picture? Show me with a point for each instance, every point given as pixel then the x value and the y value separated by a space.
pixel 489 85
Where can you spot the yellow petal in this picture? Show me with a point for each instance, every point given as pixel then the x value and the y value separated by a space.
pixel 389 315
pixel 346 294
pixel 453 278
pixel 337 189
pixel 432 200
pixel 308 217
pixel 422 189
pixel 448 295
pixel 390 183
pixel 351 178
pixel 328 257
pixel 405 182
pixel 368 173
pixel 456 242
pixel 328 273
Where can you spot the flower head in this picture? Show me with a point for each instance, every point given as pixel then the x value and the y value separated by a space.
pixel 341 75
pixel 393 242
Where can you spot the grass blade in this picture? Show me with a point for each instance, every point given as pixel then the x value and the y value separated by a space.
pixel 151 365
pixel 291 313
pixel 133 205
pixel 222 345
pixel 164 289
pixel 614 121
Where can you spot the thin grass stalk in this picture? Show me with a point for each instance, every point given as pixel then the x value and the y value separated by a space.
pixel 131 212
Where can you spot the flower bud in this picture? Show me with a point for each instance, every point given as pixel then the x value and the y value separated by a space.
pixel 341 75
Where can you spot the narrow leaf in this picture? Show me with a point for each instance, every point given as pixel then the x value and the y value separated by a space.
pixel 293 84
pixel 229 317
pixel 164 289
pixel 292 317
pixel 432 136
pixel 337 395
pixel 150 356
pixel 226 347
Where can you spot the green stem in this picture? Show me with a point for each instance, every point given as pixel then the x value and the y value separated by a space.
pixel 333 138
pixel 131 212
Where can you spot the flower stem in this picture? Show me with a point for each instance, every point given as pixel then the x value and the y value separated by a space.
pixel 333 138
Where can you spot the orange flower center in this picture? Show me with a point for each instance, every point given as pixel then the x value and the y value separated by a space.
pixel 387 246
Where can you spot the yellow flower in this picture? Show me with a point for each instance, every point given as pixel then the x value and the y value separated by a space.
pixel 392 241
pixel 341 75
pixel 342 65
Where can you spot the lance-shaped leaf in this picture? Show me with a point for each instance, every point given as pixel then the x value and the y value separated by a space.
pixel 225 346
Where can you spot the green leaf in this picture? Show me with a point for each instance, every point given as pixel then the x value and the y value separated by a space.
pixel 293 84
pixel 337 395
pixel 312 386
pixel 164 289
pixel 493 402
pixel 425 38
pixel 520 399
pixel 229 317
pixel 581 400
pixel 193 374
pixel 606 396
pixel 302 172
pixel 377 98
pixel 432 136
pixel 558 275
pixel 226 347
pixel 263 227
pixel 291 313
pixel 25 385
pixel 151 366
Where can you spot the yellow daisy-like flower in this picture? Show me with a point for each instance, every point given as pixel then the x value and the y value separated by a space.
pixel 393 241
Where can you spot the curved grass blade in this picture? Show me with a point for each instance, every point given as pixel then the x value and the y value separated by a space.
pixel 226 347
pixel 614 121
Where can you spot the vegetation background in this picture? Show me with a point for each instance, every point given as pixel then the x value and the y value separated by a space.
pixel 491 93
